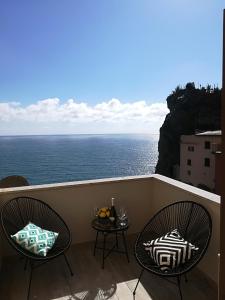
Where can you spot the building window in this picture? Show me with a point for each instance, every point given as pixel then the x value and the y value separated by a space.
pixel 191 148
pixel 207 145
pixel 189 162
pixel 207 162
pixel 189 172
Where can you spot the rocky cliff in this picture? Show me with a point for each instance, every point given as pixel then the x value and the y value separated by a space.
pixel 191 109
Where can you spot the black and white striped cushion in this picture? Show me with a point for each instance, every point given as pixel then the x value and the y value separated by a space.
pixel 170 250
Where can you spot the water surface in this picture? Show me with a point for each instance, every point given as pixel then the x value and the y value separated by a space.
pixel 61 158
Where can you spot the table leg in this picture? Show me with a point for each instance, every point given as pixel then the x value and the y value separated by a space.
pixel 117 245
pixel 125 245
pixel 96 241
pixel 103 252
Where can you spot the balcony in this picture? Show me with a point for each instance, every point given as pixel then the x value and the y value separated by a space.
pixel 142 196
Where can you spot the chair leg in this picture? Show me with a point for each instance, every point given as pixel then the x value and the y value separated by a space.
pixel 31 274
pixel 25 265
pixel 134 292
pixel 179 287
pixel 68 265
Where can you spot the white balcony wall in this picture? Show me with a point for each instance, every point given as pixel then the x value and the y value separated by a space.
pixel 166 191
pixel 141 196
pixel 75 202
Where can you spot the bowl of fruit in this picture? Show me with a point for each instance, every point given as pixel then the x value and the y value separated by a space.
pixel 103 215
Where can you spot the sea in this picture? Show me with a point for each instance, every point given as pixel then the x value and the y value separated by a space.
pixel 62 158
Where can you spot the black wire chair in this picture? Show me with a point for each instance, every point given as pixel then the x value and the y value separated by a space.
pixel 18 212
pixel 194 224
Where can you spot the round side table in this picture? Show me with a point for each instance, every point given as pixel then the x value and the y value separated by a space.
pixel 105 230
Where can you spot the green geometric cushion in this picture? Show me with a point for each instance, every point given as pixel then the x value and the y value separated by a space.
pixel 35 239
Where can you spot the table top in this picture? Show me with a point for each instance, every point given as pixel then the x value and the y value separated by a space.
pixel 109 226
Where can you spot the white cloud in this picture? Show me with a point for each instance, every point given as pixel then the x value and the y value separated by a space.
pixel 78 117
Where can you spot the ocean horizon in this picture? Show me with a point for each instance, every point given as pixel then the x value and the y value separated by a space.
pixel 59 158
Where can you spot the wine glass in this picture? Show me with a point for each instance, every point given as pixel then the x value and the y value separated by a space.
pixel 95 212
pixel 122 216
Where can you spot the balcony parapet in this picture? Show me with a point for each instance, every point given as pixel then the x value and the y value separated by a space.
pixel 141 195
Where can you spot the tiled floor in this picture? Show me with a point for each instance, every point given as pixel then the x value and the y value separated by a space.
pixel 52 281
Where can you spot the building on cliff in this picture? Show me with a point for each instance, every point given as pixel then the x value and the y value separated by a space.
pixel 191 109
pixel 198 159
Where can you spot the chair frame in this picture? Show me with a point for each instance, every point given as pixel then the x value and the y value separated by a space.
pixel 32 259
pixel 177 273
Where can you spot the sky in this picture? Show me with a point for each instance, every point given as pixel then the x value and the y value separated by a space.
pixel 98 66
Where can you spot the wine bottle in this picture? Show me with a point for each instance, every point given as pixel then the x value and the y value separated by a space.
pixel 113 213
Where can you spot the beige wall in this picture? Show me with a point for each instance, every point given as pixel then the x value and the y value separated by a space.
pixel 199 173
pixel 142 197
pixel 75 202
pixel 166 190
